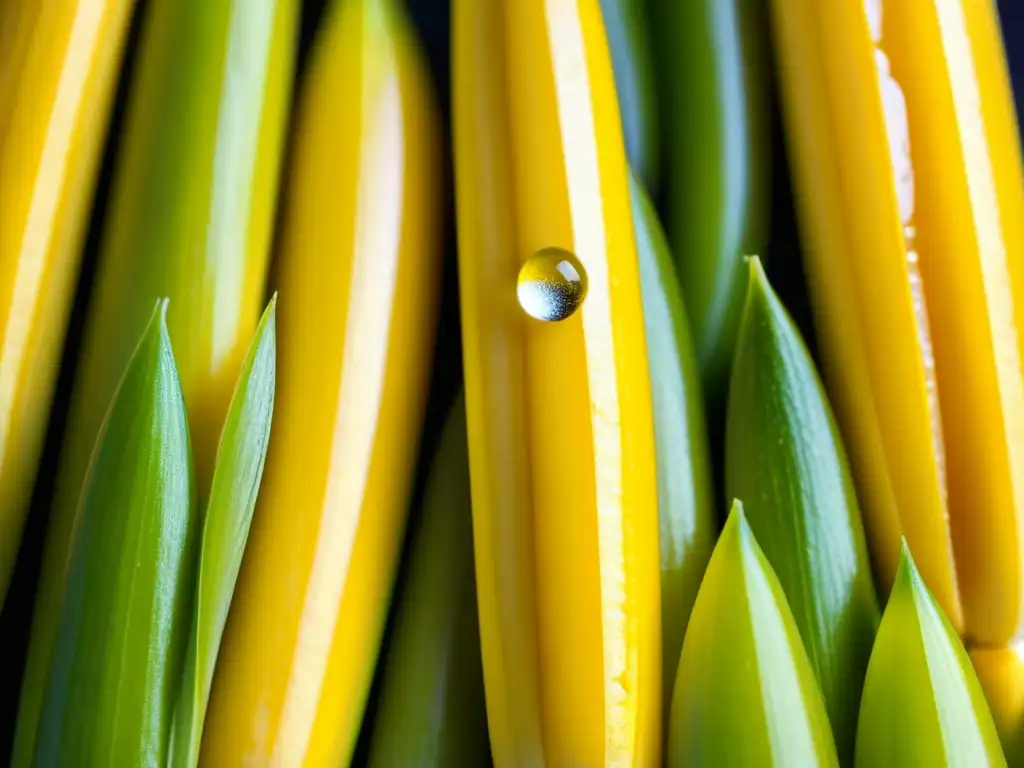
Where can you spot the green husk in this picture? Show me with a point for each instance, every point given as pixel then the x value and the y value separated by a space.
pixel 686 505
pixel 432 710
pixel 236 482
pixel 922 703
pixel 625 23
pixel 745 694
pixel 785 458
pixel 118 652
pixel 713 73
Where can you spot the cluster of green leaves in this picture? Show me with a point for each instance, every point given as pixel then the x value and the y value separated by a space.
pixel 151 573
pixel 786 660
pixel 784 657
pixel 797 658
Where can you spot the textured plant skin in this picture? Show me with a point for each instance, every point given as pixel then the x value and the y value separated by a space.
pixel 686 504
pixel 745 695
pixel 784 455
pixel 117 659
pixel 922 703
pixel 432 712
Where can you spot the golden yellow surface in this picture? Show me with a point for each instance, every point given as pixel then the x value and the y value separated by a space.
pixel 907 152
pixel 855 200
pixel 969 199
pixel 492 342
pixel 559 414
pixel 59 63
pixel 357 275
pixel 1001 674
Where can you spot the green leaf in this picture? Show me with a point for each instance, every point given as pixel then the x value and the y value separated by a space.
pixel 785 459
pixel 713 72
pixel 686 504
pixel 118 652
pixel 190 217
pixel 922 703
pixel 625 24
pixel 236 482
pixel 432 710
pixel 745 694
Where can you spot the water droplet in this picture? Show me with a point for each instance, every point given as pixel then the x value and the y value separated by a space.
pixel 552 285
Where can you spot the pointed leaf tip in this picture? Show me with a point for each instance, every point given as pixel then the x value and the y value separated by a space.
pixel 761 297
pixel 155 326
pixel 757 279
pixel 922 703
pixel 266 332
pixel 765 711
pixel 121 629
pixel 907 574
pixel 784 456
pixel 736 531
pixel 237 476
pixel 153 355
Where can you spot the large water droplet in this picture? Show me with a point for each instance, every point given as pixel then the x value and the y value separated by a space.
pixel 552 284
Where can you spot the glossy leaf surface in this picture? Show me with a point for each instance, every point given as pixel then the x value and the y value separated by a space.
pixel 922 702
pixel 686 512
pixel 120 644
pixel 236 482
pixel 745 695
pixel 784 456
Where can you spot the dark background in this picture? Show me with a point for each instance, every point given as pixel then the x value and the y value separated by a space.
pixel 432 19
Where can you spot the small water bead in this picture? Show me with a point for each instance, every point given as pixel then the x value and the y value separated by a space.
pixel 552 285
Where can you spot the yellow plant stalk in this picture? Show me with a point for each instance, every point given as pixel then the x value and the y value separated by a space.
pixel 59 63
pixel 358 277
pixel 864 278
pixel 969 209
pixel 559 414
pixel 191 218
pixel 905 149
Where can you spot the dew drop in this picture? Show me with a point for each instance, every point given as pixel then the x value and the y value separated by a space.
pixel 552 285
